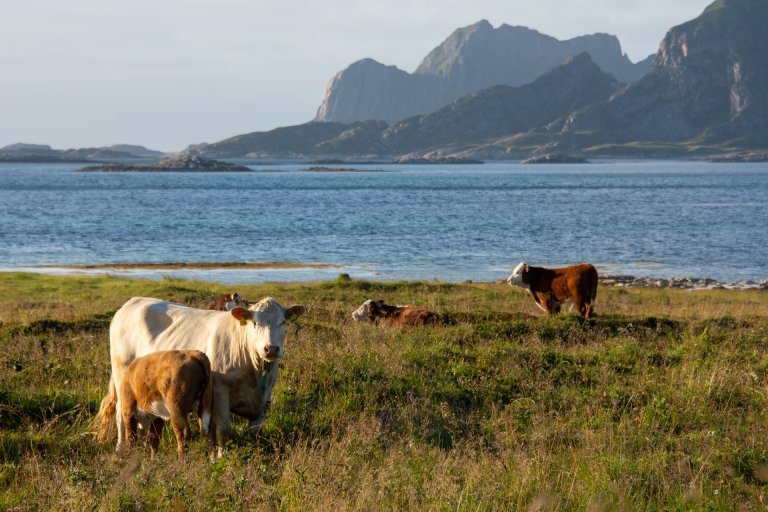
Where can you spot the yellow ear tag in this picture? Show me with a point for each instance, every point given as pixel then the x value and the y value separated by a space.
pixel 243 321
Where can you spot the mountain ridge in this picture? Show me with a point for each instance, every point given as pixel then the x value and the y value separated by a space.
pixel 706 93
pixel 472 58
pixel 24 152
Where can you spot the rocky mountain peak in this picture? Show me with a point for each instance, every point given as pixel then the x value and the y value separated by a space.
pixel 709 80
pixel 472 58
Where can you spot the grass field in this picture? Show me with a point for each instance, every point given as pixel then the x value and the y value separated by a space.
pixel 657 404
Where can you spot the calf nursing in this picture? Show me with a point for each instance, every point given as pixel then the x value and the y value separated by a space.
pixel 168 385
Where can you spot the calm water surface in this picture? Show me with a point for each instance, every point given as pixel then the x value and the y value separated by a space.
pixel 657 218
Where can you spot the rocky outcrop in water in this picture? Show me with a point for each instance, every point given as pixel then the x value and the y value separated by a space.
pixel 740 157
pixel 469 60
pixel 178 163
pixel 554 158
pixel 687 283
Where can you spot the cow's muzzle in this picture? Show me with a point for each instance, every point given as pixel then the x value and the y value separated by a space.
pixel 272 352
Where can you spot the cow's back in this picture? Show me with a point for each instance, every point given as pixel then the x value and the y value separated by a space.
pixel 145 325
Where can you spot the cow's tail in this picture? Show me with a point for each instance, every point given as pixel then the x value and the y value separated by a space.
pixel 592 294
pixel 206 404
pixel 105 418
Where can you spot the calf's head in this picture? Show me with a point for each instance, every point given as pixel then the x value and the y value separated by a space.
pixel 265 326
pixel 519 275
pixel 231 301
pixel 369 311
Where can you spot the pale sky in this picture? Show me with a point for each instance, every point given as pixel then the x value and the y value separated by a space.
pixel 169 73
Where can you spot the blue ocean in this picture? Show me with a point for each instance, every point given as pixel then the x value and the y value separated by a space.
pixel 446 222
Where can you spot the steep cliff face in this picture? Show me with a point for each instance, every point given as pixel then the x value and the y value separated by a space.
pixel 368 90
pixel 709 79
pixel 504 110
pixel 471 59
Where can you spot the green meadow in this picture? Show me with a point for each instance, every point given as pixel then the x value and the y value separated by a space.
pixel 659 403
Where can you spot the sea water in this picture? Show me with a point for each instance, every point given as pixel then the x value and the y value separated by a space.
pixel 447 222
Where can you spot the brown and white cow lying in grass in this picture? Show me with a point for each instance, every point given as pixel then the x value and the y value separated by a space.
pixel 377 312
pixel 168 385
pixel 225 302
pixel 550 287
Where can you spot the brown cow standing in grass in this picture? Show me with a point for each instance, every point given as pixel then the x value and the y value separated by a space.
pixel 395 316
pixel 551 287
pixel 168 385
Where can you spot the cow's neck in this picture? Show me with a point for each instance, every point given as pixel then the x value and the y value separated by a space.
pixel 389 311
pixel 263 374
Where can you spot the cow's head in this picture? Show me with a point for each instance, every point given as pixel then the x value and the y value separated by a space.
pixel 265 326
pixel 517 278
pixel 231 301
pixel 369 311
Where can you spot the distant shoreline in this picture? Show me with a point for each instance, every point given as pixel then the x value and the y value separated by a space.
pixel 195 266
pixel 155 271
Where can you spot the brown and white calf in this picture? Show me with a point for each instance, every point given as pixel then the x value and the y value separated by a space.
pixel 550 287
pixel 376 312
pixel 225 302
pixel 168 385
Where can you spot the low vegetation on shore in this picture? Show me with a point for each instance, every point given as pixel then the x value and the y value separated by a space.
pixel 659 403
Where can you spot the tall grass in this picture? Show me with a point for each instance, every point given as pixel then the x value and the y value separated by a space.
pixel 658 404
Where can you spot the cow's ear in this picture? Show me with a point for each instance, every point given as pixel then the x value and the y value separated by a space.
pixel 525 268
pixel 379 302
pixel 294 312
pixel 241 314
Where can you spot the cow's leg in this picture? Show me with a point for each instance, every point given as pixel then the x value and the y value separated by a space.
pixel 581 306
pixel 118 374
pixel 154 434
pixel 128 417
pixel 538 302
pixel 181 429
pixel 544 303
pixel 266 400
pixel 254 427
pixel 210 437
pixel 221 417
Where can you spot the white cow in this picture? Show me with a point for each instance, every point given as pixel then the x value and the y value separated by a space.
pixel 243 346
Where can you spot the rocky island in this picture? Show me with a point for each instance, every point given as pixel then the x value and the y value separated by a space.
pixel 738 157
pixel 450 160
pixel 177 163
pixel 554 158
